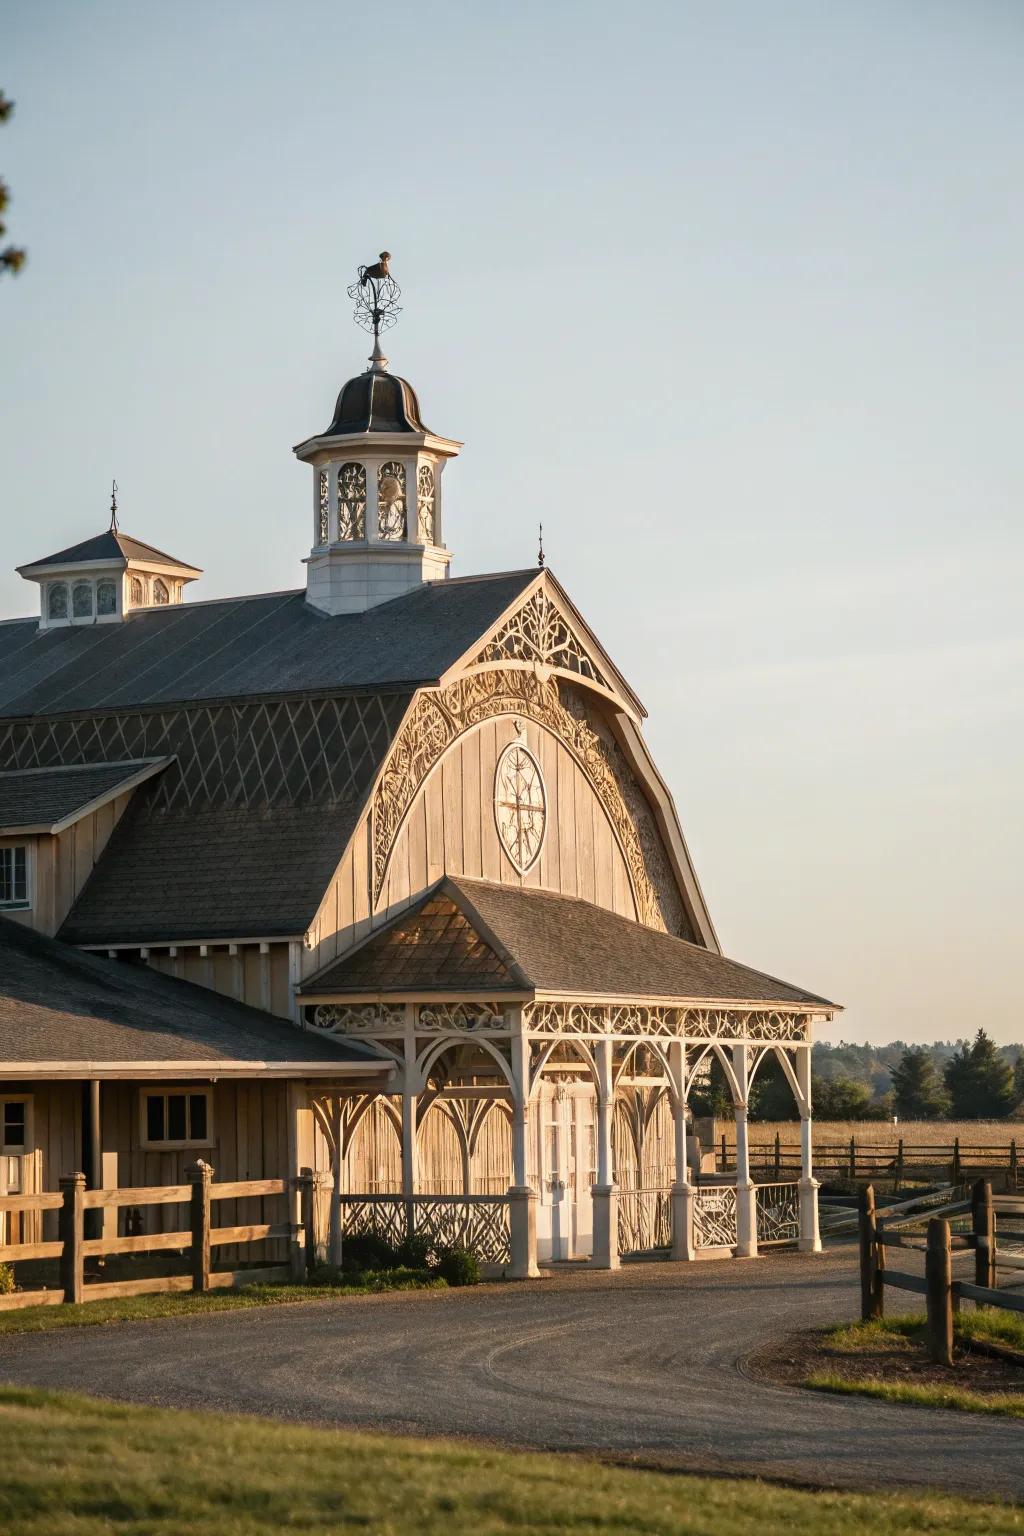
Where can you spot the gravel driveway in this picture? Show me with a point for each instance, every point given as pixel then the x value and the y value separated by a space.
pixel 645 1364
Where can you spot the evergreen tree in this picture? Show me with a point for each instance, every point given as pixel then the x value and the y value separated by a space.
pixel 1018 1080
pixel 12 259
pixel 979 1080
pixel 918 1093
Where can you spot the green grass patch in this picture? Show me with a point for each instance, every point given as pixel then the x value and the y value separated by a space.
pixel 990 1324
pixel 1005 1405
pixel 78 1467
pixel 130 1309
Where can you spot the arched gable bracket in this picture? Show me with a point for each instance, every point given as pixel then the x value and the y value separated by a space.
pixel 438 719
pixel 783 1054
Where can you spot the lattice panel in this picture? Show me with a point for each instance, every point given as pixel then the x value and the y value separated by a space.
pixel 480 1224
pixel 376 1215
pixel 291 752
pixel 714 1217
pixel 778 1213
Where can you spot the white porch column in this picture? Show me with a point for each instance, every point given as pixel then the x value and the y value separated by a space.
pixel 605 1194
pixel 410 1091
pixel 682 1190
pixel 522 1201
pixel 746 1195
pixel 334 1237
pixel 810 1236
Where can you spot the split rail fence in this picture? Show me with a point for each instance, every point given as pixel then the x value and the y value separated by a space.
pixel 985 1215
pixel 72 1248
pixel 859 1158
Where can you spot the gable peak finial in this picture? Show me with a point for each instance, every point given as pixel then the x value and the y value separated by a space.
pixel 375 295
pixel 540 545
pixel 113 506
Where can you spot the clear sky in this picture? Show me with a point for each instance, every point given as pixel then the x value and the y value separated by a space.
pixel 728 294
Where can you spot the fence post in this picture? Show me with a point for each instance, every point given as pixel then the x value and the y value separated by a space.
pixel 200 1177
pixel 956 1160
pixel 853 1158
pixel 1013 1157
pixel 899 1163
pixel 983 1224
pixel 778 1155
pixel 938 1275
pixel 723 1165
pixel 70 1229
pixel 872 1274
pixel 304 1253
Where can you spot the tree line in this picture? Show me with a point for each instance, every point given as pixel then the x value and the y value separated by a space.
pixel 962 1080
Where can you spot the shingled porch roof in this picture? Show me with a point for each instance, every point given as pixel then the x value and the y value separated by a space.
pixel 474 936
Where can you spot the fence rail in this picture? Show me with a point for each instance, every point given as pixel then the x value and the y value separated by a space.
pixel 986 1214
pixel 197 1241
pixel 860 1157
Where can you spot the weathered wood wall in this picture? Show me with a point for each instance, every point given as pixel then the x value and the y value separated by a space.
pixel 63 864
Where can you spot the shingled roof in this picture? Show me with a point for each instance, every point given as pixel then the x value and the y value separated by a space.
pixel 110 545
pixel 48 799
pixel 239 647
pixel 472 935
pixel 83 1015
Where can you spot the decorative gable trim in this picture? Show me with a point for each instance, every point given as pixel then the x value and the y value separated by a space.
pixel 542 633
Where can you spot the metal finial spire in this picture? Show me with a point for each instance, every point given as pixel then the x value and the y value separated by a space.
pixel 376 296
pixel 540 545
pixel 113 506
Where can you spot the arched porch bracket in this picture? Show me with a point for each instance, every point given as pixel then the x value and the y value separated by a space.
pixel 429 1057
pixel 582 1050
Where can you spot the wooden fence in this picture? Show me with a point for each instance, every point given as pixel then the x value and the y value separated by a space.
pixel 942 1293
pixel 72 1247
pixel 860 1158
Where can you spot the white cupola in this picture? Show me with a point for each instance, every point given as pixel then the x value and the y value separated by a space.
pixel 377 499
pixel 105 578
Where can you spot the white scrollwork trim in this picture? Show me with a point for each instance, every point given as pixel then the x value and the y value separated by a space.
pixel 638 1020
pixel 540 632
pixel 435 1018
pixel 356 1019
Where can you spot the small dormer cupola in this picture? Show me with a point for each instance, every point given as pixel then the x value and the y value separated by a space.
pixel 105 578
pixel 377 501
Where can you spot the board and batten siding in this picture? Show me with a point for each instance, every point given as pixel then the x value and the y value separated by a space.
pixel 450 830
pixel 61 865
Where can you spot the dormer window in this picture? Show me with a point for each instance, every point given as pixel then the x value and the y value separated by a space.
pixel 391 501
pixel 106 597
pixel 160 593
pixel 57 600
pixel 14 876
pixel 81 600
pixel 352 501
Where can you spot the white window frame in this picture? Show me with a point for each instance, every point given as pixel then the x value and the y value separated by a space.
pixel 177 1090
pixel 26 905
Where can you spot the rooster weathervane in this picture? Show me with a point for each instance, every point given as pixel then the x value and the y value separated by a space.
pixel 376 295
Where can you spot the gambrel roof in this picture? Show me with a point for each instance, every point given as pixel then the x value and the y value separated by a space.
pixel 244 646
pixel 476 936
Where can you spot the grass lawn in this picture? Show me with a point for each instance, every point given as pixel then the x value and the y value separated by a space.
pixel 188 1304
pixel 77 1467
pixel 898 1372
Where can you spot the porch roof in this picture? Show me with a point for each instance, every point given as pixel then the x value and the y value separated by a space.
pixel 68 1014
pixel 475 936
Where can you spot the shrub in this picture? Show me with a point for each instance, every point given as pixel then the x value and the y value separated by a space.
pixel 457 1266
pixel 367 1251
pixel 6 1279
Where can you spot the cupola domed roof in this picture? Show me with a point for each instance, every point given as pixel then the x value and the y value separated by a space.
pixel 376 401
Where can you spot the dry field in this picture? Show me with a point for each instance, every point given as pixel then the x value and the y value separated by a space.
pixel 881 1133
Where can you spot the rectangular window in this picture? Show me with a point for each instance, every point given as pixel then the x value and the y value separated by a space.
pixel 13 1125
pixel 14 876
pixel 176 1117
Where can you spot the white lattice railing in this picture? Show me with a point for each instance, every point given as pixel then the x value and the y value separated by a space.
pixel 714 1216
pixel 478 1222
pixel 645 1219
pixel 778 1213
